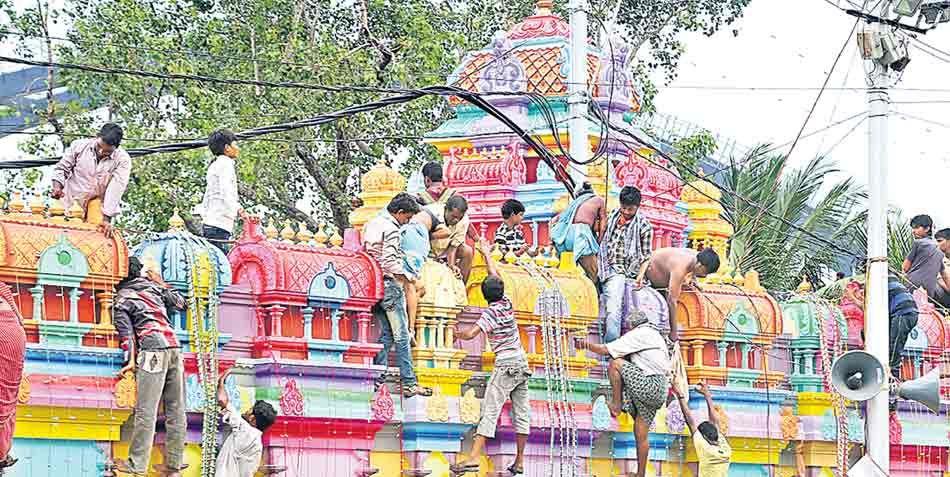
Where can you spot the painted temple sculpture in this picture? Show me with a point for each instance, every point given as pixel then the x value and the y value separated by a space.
pixel 293 320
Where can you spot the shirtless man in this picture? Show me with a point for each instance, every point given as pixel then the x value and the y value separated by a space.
pixel 671 268
pixel 582 229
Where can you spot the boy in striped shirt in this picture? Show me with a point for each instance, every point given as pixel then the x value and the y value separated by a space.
pixel 509 236
pixel 509 378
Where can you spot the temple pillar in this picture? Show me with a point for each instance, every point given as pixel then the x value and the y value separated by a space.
pixel 363 320
pixel 532 332
pixel 74 295
pixel 335 316
pixel 37 293
pixel 698 353
pixel 809 362
pixel 722 346
pixel 420 331
pixel 105 308
pixel 276 312
pixel 308 322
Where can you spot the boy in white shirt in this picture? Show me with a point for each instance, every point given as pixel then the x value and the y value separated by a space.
pixel 221 206
pixel 240 454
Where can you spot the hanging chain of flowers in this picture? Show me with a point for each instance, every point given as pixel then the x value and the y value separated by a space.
pixel 837 402
pixel 204 343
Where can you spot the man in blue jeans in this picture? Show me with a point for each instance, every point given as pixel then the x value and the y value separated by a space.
pixel 381 239
pixel 624 250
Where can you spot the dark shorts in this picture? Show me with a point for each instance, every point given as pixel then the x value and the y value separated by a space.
pixel 642 395
pixel 217 236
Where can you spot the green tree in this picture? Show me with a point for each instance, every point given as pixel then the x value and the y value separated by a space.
pixel 690 151
pixel 805 197
pixel 410 43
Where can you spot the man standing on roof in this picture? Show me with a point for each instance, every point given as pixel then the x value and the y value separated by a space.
pixel 95 173
pixel 450 208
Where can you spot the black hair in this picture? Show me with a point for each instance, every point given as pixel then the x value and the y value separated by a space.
pixel 111 134
pixel 923 221
pixel 219 140
pixel 709 259
pixel 709 431
pixel 493 289
pixel 135 271
pixel 403 202
pixel 630 195
pixel 432 171
pixel 264 415
pixel 511 207
pixel 943 234
pixel 456 202
pixel 839 275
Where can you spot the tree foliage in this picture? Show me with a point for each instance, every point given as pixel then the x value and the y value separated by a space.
pixel 766 241
pixel 690 151
pixel 405 44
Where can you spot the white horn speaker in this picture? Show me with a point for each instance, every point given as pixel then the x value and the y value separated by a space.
pixel 858 376
pixel 925 390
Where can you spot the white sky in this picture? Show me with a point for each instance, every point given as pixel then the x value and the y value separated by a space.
pixel 793 44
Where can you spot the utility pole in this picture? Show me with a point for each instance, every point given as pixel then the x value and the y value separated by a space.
pixel 876 318
pixel 578 96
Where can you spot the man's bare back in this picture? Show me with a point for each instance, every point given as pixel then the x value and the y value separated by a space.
pixel 666 263
pixel 593 212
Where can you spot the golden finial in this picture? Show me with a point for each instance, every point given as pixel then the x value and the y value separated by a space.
pixel 543 7
pixel 287 233
pixel 804 286
pixel 175 222
pixel 75 212
pixel 540 259
pixel 17 204
pixel 510 257
pixel 321 236
pixel 56 210
pixel 553 259
pixel 37 205
pixel 525 259
pixel 271 231
pixel 336 240
pixel 496 253
pixel 304 235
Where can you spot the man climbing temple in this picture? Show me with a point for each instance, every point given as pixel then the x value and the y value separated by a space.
pixel 670 269
pixel 450 208
pixel 624 249
pixel 639 379
pixel 924 263
pixel 509 378
pixel 580 228
pixel 381 239
pixel 94 172
pixel 153 354
pixel 712 448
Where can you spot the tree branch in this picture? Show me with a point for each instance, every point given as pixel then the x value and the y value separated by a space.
pixel 282 203
pixel 336 198
pixel 50 104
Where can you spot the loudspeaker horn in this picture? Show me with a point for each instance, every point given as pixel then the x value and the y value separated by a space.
pixel 925 390
pixel 858 376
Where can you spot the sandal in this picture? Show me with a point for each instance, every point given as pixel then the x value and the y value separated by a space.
pixel 416 390
pixel 122 466
pixel 515 470
pixel 459 469
pixel 8 461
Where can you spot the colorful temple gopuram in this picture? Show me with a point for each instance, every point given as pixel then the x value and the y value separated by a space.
pixel 289 311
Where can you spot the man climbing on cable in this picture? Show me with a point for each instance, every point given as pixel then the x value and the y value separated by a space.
pixel 624 249
pixel 669 270
pixel 580 228
pixel 94 172
pixel 639 379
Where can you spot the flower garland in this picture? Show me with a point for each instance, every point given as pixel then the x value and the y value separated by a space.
pixel 204 343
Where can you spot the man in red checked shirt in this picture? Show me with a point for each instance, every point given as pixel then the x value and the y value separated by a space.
pixel 153 353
